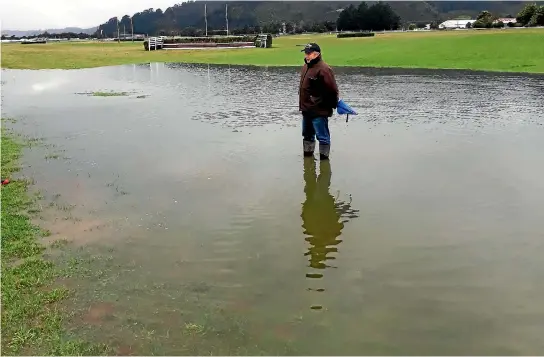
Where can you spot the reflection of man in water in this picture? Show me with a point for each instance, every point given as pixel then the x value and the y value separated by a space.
pixel 321 215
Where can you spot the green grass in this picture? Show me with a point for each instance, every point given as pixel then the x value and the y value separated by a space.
pixel 31 321
pixel 512 50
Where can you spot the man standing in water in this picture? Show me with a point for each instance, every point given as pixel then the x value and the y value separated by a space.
pixel 318 97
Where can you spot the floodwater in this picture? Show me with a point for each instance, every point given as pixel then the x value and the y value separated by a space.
pixel 198 228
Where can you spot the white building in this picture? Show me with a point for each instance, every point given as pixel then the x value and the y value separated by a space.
pixel 455 24
pixel 506 20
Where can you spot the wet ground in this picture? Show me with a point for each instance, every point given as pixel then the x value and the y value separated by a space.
pixel 196 226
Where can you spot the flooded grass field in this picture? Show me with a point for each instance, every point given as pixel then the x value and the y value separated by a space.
pixel 192 224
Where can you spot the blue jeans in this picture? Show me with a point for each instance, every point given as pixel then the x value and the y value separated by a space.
pixel 316 127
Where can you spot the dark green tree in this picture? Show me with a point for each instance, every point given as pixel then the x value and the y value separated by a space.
pixel 272 27
pixel 538 17
pixel 498 24
pixel 484 20
pixel 526 14
pixel 347 20
pixel 381 16
pixel 361 16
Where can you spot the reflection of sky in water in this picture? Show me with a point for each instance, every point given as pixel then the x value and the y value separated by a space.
pixel 432 214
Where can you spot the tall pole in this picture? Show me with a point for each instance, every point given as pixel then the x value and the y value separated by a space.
pixel 132 29
pixel 118 37
pixel 206 19
pixel 227 17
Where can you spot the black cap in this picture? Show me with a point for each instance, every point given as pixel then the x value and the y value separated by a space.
pixel 311 47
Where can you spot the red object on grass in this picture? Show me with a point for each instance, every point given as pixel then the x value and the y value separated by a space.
pixel 5 181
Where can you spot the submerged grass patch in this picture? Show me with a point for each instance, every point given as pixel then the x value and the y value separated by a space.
pixel 31 321
pixel 105 94
pixel 52 156
pixel 109 94
pixel 474 49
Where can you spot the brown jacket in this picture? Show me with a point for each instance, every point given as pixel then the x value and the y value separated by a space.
pixel 318 92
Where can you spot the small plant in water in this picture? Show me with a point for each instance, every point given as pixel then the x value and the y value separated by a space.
pixel 59 243
pixel 52 156
pixel 109 94
pixel 105 94
pixel 194 328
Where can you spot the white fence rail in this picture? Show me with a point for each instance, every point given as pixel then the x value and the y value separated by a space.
pixel 155 43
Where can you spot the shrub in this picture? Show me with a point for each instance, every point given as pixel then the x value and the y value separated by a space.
pixel 480 24
pixel 498 24
pixel 355 34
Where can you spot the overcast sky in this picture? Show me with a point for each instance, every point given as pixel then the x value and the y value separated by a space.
pixel 42 14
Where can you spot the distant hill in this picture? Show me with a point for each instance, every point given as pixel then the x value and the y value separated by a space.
pixel 241 14
pixel 253 13
pixel 16 33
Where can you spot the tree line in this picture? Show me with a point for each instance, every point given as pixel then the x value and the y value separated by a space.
pixel 377 17
pixel 243 16
pixel 299 16
pixel 187 19
pixel 68 35
pixel 531 15
pixel 486 20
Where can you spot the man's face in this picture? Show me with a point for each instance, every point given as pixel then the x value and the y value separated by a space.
pixel 310 56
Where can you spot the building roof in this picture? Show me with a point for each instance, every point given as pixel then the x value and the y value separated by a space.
pixel 456 23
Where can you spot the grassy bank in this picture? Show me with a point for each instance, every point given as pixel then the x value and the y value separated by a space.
pixel 513 50
pixel 31 321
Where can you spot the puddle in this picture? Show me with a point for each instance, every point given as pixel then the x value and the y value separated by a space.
pixel 198 228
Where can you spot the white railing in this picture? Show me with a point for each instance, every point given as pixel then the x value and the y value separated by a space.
pixel 155 43
pixel 262 40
